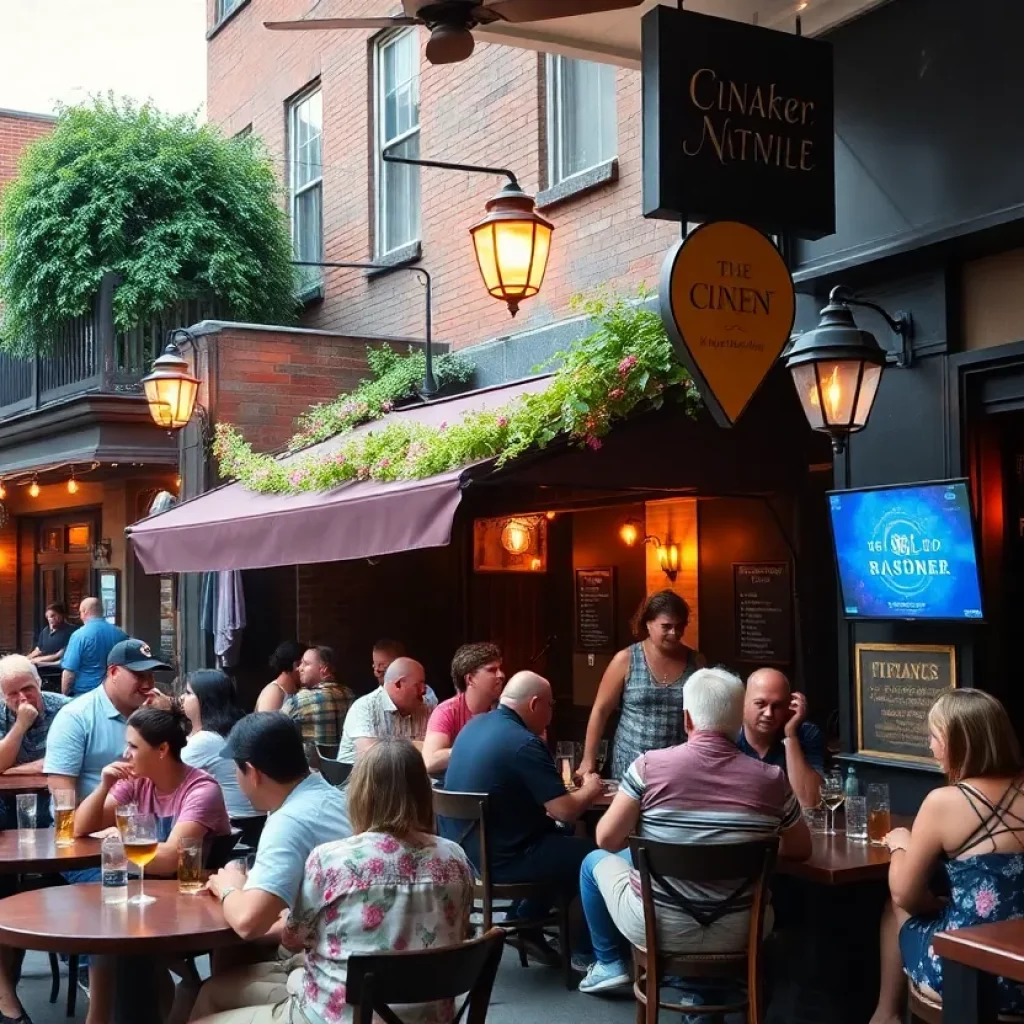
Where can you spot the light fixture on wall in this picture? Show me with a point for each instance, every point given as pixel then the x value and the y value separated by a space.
pixel 171 389
pixel 33 488
pixel 668 559
pixel 72 484
pixel 631 531
pixel 3 491
pixel 517 536
pixel 837 367
pixel 668 555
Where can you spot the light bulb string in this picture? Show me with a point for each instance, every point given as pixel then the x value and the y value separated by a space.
pixel 31 477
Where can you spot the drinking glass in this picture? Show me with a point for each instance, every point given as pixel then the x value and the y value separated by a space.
pixel 879 821
pixel 602 755
pixel 140 846
pixel 190 866
pixel 122 814
pixel 857 819
pixel 832 795
pixel 28 804
pixel 816 820
pixel 64 817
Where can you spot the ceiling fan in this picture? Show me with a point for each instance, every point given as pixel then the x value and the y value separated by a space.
pixel 451 22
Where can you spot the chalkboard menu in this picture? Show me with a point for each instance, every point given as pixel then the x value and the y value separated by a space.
pixel 896 685
pixel 764 612
pixel 595 610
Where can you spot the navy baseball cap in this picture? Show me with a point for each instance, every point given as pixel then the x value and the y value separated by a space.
pixel 134 655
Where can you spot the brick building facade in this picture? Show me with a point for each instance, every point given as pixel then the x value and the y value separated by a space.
pixel 17 130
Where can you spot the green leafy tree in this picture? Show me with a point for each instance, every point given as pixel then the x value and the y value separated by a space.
pixel 173 207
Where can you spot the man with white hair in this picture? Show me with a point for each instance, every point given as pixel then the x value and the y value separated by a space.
pixel 703 791
pixel 396 708
pixel 27 714
pixel 501 753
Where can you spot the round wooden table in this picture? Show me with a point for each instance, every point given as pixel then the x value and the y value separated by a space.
pixel 74 919
pixel 34 851
pixel 23 782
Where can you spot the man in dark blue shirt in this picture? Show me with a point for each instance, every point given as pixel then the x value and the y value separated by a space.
pixel 776 731
pixel 501 753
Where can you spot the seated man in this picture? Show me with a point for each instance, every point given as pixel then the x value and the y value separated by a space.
pixel 28 715
pixel 775 730
pixel 702 791
pixel 85 658
pixel 303 811
pixel 395 708
pixel 385 652
pixel 53 637
pixel 478 679
pixel 502 754
pixel 321 703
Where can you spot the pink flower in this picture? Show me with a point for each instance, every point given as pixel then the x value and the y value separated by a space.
pixel 594 443
pixel 373 917
pixel 298 477
pixel 437 871
pixel 387 844
pixel 375 867
pixel 407 866
pixel 402 942
pixel 387 406
pixel 502 422
pixel 626 365
pixel 384 463
pixel 985 901
pixel 340 458
pixel 336 1004
pixel 616 393
pixel 443 425
pixel 333 946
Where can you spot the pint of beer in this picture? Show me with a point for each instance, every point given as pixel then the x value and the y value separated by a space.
pixel 190 866
pixel 64 817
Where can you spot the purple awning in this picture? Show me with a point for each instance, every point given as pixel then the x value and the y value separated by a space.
pixel 233 528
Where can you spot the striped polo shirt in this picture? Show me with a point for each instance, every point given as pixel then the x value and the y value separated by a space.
pixel 707 791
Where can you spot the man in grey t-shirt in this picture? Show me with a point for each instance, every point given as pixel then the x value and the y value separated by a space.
pixel 304 811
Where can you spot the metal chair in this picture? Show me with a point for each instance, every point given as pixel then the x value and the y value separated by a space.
pixel 377 981
pixel 221 847
pixel 731 863
pixel 251 828
pixel 472 808
pixel 335 772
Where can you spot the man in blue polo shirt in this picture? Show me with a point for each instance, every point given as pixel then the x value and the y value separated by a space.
pixel 85 657
pixel 501 753
pixel 776 731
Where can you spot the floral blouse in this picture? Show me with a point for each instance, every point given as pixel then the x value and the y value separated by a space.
pixel 369 894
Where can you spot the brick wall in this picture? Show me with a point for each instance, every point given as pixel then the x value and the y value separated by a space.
pixel 17 130
pixel 487 110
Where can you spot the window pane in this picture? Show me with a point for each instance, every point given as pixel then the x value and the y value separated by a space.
pixel 398 110
pixel 400 86
pixel 305 138
pixel 402 198
pixel 582 129
pixel 306 135
pixel 307 234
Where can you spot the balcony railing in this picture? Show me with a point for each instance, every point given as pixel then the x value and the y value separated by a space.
pixel 89 354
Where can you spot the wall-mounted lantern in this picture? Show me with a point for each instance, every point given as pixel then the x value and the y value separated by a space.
pixel 171 388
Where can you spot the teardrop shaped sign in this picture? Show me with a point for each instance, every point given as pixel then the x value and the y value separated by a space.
pixel 728 303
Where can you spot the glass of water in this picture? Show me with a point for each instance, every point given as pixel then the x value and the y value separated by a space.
pixel 816 820
pixel 28 806
pixel 857 818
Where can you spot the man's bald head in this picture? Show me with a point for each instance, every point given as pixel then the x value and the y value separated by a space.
pixel 529 696
pixel 406 683
pixel 90 608
pixel 766 705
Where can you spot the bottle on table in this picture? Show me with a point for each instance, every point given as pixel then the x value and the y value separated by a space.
pixel 852 785
pixel 114 870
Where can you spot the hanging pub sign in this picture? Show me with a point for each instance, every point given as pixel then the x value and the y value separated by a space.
pixel 728 304
pixel 737 124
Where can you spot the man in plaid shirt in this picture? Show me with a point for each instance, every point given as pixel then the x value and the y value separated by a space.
pixel 321 705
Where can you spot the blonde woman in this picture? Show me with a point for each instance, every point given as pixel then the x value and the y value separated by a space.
pixel 392 885
pixel 974 828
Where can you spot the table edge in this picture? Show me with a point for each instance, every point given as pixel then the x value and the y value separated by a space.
pixel 971 952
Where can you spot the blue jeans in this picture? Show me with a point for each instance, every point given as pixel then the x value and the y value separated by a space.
pixel 610 947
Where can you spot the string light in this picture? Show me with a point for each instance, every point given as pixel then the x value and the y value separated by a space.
pixel 3 491
pixel 33 489
pixel 72 485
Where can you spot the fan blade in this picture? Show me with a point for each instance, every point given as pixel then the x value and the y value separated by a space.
pixel 545 10
pixel 313 24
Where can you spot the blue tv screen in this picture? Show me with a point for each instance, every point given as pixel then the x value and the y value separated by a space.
pixel 907 552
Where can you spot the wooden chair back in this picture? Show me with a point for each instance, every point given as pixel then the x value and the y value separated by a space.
pixel 377 981
pixel 335 772
pixel 221 848
pixel 748 864
pixel 471 810
pixel 251 828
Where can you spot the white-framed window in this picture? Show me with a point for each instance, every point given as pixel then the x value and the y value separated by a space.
pixel 305 183
pixel 397 113
pixel 582 122
pixel 225 7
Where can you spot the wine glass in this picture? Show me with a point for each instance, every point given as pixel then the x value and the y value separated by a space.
pixel 140 846
pixel 832 794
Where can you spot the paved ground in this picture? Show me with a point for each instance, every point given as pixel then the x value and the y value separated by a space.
pixel 520 996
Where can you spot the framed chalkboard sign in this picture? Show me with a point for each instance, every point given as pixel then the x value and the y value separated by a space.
pixel 595 610
pixel 896 685
pixel 763 597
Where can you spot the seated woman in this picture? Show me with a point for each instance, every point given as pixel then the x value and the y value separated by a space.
pixel 186 802
pixel 974 828
pixel 209 701
pixel 392 885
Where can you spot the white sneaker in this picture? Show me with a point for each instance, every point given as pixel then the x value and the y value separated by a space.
pixel 605 977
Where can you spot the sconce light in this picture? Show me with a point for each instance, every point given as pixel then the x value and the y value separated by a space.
pixel 550 515
pixel 668 554
pixel 630 532
pixel 668 559
pixel 517 536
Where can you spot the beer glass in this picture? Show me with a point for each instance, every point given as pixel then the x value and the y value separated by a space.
pixel 28 804
pixel 122 813
pixel 190 866
pixel 140 846
pixel 879 821
pixel 64 817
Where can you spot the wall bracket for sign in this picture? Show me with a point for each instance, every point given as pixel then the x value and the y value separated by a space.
pixel 728 304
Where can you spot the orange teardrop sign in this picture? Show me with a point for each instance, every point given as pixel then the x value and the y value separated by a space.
pixel 728 304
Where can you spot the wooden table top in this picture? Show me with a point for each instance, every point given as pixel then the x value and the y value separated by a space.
pixel 993 948
pixel 74 919
pixel 34 850
pixel 18 782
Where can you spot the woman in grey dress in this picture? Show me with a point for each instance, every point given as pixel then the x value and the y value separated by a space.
pixel 646 681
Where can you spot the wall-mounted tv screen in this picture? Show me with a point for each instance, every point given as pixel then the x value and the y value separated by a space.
pixel 907 552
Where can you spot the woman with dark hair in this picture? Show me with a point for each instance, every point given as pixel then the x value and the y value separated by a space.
pixel 186 802
pixel 209 702
pixel 646 681
pixel 284 663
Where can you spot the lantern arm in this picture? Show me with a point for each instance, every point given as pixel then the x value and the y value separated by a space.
pixel 446 166
pixel 205 430
pixel 902 324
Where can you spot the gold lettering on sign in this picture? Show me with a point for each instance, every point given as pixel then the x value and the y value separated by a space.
pixel 730 142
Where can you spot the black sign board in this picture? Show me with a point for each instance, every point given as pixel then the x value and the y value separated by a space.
pixel 896 685
pixel 595 610
pixel 737 123
pixel 764 612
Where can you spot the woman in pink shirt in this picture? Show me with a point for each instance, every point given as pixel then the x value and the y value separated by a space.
pixel 479 680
